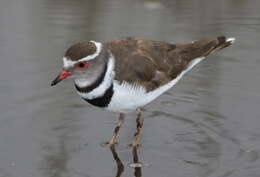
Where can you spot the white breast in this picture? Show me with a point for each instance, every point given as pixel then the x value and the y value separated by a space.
pixel 129 97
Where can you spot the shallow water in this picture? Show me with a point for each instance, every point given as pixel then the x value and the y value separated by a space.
pixel 207 126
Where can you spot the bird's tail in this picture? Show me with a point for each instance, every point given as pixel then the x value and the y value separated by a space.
pixel 220 43
pixel 202 48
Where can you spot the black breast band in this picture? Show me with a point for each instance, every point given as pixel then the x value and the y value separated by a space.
pixel 103 100
pixel 100 101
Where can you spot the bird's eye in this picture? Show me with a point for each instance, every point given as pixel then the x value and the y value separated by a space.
pixel 82 65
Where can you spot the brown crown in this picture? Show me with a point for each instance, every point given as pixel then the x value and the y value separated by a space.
pixel 80 50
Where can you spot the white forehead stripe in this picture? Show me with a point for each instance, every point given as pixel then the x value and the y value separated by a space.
pixel 69 63
pixel 98 50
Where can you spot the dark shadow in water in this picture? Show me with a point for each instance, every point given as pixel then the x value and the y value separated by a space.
pixel 120 166
pixel 56 160
pixel 138 170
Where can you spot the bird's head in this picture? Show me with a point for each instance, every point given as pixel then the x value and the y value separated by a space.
pixel 83 62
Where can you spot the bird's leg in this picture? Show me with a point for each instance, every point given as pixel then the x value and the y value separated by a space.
pixel 139 125
pixel 112 141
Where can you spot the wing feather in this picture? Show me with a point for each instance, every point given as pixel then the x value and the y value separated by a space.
pixel 155 63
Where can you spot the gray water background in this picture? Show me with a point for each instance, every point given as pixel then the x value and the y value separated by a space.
pixel 208 125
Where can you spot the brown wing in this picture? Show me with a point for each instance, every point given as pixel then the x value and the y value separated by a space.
pixel 155 63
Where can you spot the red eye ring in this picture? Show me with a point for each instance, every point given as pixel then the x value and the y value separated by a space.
pixel 81 65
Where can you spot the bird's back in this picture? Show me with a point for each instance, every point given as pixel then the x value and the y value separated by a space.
pixel 153 64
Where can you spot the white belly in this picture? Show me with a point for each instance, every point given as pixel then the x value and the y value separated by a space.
pixel 129 97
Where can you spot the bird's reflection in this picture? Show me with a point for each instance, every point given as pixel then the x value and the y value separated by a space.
pixel 120 166
pixel 138 169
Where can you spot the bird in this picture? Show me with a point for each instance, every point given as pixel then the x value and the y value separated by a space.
pixel 123 75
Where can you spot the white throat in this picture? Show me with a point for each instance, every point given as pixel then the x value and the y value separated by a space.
pixel 103 86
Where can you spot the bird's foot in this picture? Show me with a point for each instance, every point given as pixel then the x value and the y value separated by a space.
pixel 109 144
pixel 134 145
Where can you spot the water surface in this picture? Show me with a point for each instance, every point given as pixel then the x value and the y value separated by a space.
pixel 207 126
